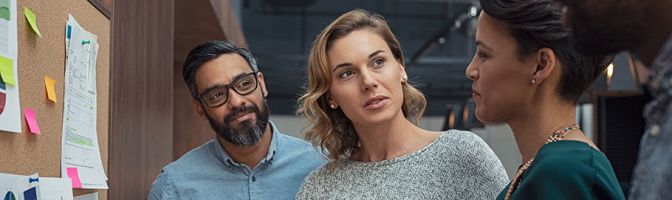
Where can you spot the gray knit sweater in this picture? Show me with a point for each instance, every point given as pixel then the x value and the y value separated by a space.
pixel 457 165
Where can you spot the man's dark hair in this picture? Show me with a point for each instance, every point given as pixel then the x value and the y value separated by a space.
pixel 206 52
pixel 536 24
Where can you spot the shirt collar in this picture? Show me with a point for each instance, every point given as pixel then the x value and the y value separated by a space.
pixel 272 149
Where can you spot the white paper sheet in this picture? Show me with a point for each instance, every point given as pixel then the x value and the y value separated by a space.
pixel 29 187
pixel 10 116
pixel 56 188
pixel 92 196
pixel 80 138
pixel 9 189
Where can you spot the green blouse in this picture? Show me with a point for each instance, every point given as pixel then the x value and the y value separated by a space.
pixel 568 169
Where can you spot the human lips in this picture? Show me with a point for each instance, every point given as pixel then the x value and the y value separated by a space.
pixel 376 102
pixel 475 93
pixel 242 117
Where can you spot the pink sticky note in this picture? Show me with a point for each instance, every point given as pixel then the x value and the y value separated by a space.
pixel 74 176
pixel 32 121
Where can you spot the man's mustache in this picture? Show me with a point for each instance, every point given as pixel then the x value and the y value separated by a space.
pixel 240 110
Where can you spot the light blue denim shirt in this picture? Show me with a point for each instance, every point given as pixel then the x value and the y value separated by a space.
pixel 207 172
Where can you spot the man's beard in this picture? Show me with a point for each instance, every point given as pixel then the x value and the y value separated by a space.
pixel 248 132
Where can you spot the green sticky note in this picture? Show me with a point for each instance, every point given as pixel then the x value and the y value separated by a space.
pixel 32 20
pixel 7 71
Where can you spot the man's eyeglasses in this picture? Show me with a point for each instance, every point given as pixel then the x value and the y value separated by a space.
pixel 216 96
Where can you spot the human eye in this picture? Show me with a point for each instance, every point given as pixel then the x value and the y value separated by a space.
pixel 243 84
pixel 482 55
pixel 216 94
pixel 346 74
pixel 378 62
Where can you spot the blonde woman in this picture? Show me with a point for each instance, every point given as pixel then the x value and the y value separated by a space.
pixel 362 108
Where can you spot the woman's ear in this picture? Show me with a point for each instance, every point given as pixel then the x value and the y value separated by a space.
pixel 332 103
pixel 546 61
pixel 403 75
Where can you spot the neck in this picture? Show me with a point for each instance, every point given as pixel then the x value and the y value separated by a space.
pixel 533 126
pixel 388 140
pixel 654 39
pixel 250 155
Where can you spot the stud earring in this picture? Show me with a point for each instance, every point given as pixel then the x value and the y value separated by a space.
pixel 404 79
pixel 332 106
pixel 532 82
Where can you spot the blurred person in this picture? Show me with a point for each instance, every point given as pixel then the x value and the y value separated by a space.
pixel 643 27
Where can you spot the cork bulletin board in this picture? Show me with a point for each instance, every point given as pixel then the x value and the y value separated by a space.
pixel 26 153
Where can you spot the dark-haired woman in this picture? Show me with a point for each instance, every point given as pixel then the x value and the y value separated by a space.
pixel 526 74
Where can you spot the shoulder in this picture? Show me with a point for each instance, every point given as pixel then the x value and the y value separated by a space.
pixel 162 188
pixel 292 141
pixel 459 136
pixel 571 161
pixel 566 156
pixel 574 166
pixel 294 147
pixel 325 177
pixel 332 171
pixel 462 142
pixel 199 156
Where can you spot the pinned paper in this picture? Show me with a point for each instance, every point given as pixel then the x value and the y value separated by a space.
pixel 49 85
pixel 7 71
pixel 31 120
pixel 32 20
pixel 74 176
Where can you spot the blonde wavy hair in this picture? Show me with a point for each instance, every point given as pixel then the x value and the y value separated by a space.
pixel 331 130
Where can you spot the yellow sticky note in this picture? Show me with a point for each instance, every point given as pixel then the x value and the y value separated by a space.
pixel 7 71
pixel 49 84
pixel 32 20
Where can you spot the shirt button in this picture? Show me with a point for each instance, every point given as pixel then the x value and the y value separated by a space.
pixel 655 130
pixel 254 178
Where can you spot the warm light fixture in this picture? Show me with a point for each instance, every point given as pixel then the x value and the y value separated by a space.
pixel 610 73
pixel 451 119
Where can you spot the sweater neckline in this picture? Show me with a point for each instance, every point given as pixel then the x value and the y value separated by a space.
pixel 397 159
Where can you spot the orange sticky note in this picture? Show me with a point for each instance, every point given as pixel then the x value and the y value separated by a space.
pixel 31 120
pixel 49 85
pixel 74 176
pixel 7 71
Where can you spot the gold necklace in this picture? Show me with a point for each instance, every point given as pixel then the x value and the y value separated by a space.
pixel 556 136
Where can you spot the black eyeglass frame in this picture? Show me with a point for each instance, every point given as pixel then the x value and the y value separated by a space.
pixel 201 96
